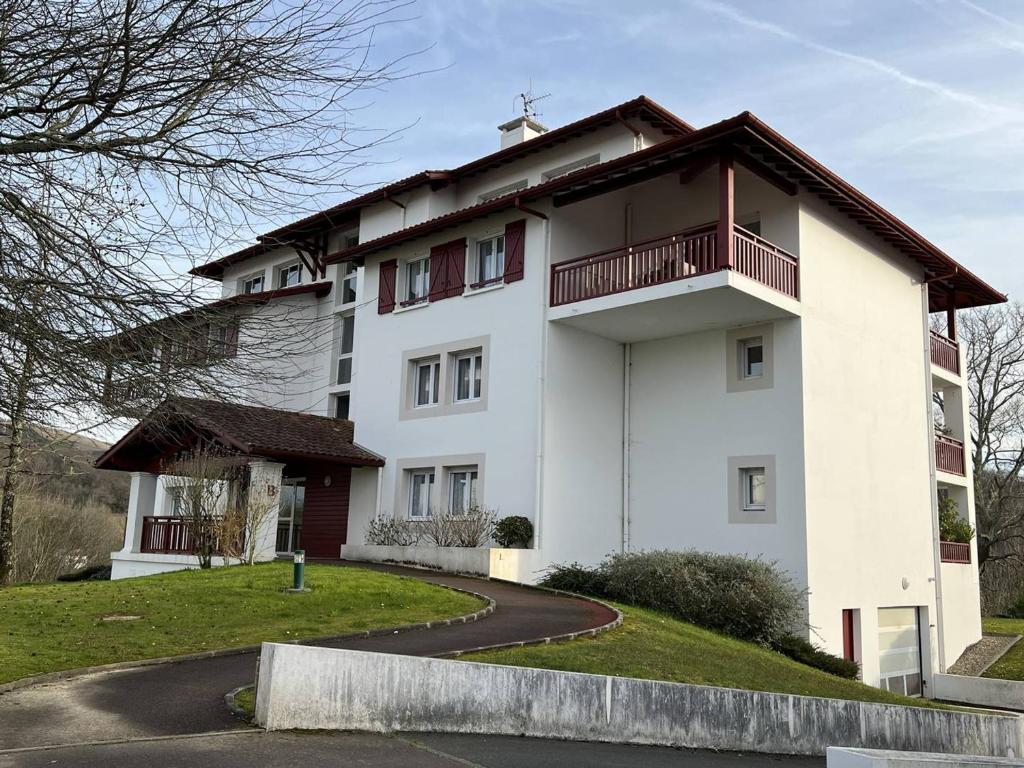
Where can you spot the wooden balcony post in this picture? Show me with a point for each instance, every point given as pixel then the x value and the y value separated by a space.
pixel 951 315
pixel 726 212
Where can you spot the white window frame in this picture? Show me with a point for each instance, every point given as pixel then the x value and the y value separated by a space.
pixel 747 475
pixel 472 474
pixel 342 354
pixel 476 365
pixel 423 281
pixel 745 345
pixel 479 281
pixel 349 282
pixel 286 269
pixel 249 279
pixel 431 475
pixel 432 366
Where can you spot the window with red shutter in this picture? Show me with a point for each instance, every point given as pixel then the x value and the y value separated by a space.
pixel 438 272
pixel 515 236
pixel 386 287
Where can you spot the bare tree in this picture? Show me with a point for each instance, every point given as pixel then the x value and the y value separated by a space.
pixel 136 135
pixel 995 378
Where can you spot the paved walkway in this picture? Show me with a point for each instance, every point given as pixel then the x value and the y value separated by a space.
pixel 188 696
pixel 245 749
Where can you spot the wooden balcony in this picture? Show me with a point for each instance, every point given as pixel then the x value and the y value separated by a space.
pixel 954 552
pixel 949 455
pixel 677 256
pixel 168 536
pixel 945 353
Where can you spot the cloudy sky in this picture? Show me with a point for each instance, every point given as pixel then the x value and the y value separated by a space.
pixel 916 102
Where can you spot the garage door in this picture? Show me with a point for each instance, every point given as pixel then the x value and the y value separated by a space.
pixel 899 650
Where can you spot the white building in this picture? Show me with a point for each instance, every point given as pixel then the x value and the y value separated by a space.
pixel 639 335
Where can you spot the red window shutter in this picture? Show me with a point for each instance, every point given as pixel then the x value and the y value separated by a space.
pixel 386 287
pixel 231 339
pixel 515 237
pixel 438 272
pixel 456 267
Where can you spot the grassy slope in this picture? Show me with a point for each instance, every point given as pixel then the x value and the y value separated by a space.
pixel 653 646
pixel 1011 665
pixel 49 627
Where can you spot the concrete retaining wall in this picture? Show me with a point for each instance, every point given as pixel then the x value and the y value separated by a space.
pixel 323 688
pixel 982 691
pixel 520 565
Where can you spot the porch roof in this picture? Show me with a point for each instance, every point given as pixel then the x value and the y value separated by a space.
pixel 180 423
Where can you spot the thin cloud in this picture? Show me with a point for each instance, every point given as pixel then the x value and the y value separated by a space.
pixel 992 16
pixel 931 86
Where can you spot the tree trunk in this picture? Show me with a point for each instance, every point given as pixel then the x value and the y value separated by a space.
pixel 11 469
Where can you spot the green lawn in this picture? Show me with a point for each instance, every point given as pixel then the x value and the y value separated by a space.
pixel 654 646
pixel 1011 665
pixel 49 627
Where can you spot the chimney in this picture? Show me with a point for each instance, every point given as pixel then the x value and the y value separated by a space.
pixel 519 130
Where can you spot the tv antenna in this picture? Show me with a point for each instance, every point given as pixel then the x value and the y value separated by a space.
pixel 529 102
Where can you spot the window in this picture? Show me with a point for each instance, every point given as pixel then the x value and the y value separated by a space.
pixel 462 490
pixel 345 331
pixel 427 382
pixel 753 483
pixel 568 168
pixel 417 281
pixel 750 223
pixel 341 405
pixel 508 189
pixel 253 283
pixel 752 358
pixel 468 373
pixel 490 261
pixel 223 340
pixel 289 275
pixel 348 283
pixel 421 489
pixel 175 501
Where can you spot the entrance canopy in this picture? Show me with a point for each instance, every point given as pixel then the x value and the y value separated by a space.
pixel 179 424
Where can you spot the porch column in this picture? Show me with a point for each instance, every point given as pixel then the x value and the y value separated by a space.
pixel 265 498
pixel 726 212
pixel 141 502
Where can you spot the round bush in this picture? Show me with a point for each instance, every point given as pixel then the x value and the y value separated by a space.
pixel 747 598
pixel 513 531
pixel 575 578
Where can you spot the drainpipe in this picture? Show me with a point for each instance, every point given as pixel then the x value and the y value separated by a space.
pixel 542 365
pixel 378 508
pixel 627 354
pixel 933 485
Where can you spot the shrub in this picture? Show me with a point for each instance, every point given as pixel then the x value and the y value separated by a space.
pixel 474 528
pixel 92 573
pixel 392 532
pixel 739 596
pixel 513 531
pixel 575 578
pixel 799 649
pixel 952 527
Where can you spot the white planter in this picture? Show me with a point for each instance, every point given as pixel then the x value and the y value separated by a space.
pixel 521 565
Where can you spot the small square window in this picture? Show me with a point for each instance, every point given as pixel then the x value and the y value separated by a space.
pixel 752 358
pixel 753 484
pixel 427 381
pixel 417 281
pixel 253 284
pixel 468 377
pixel 289 275
pixel 421 490
pixel 462 490
pixel 490 261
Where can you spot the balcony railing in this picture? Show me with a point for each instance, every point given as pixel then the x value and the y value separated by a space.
pixel 945 353
pixel 676 256
pixel 954 552
pixel 949 455
pixel 169 536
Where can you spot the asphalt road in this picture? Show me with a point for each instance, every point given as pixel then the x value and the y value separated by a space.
pixel 245 749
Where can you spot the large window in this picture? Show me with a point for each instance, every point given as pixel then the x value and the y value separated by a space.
pixel 346 337
pixel 753 483
pixel 289 275
pixel 421 490
pixel 417 281
pixel 462 489
pixel 468 377
pixel 490 261
pixel 427 381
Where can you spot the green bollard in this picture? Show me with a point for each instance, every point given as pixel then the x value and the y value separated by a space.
pixel 299 571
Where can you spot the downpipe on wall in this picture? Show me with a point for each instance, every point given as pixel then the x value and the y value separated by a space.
pixel 542 363
pixel 627 362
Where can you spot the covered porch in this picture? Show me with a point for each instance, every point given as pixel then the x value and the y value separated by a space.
pixel 297 467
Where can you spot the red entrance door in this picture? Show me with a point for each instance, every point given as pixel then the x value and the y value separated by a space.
pixel 325 517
